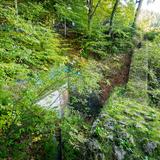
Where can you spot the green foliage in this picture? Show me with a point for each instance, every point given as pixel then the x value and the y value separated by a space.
pixel 127 121
pixel 28 46
pixel 74 133
pixel 97 45
pixel 96 40
pixel 150 35
pixel 33 62
pixel 124 12
pixel 153 71
pixel 33 12
pixel 74 12
pixel 88 76
pixel 128 125
pixel 26 132
pixel 84 82
pixel 28 55
pixel 146 75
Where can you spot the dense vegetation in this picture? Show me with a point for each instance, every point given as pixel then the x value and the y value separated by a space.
pixel 109 59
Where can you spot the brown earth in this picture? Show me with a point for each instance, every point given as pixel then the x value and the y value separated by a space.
pixel 117 78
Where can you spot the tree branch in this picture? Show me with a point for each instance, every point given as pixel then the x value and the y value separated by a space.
pixel 96 7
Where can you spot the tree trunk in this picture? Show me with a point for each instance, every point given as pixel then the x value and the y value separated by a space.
pixel 16 6
pixel 137 13
pixel 91 12
pixel 65 28
pixel 90 8
pixel 112 16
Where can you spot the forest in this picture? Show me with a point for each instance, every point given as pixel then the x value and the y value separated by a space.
pixel 79 80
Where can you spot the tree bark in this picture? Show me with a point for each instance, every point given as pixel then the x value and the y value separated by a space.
pixel 91 12
pixel 90 8
pixel 65 28
pixel 112 16
pixel 137 13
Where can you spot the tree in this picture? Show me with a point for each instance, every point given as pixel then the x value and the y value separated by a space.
pixel 91 11
pixel 112 16
pixel 137 12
